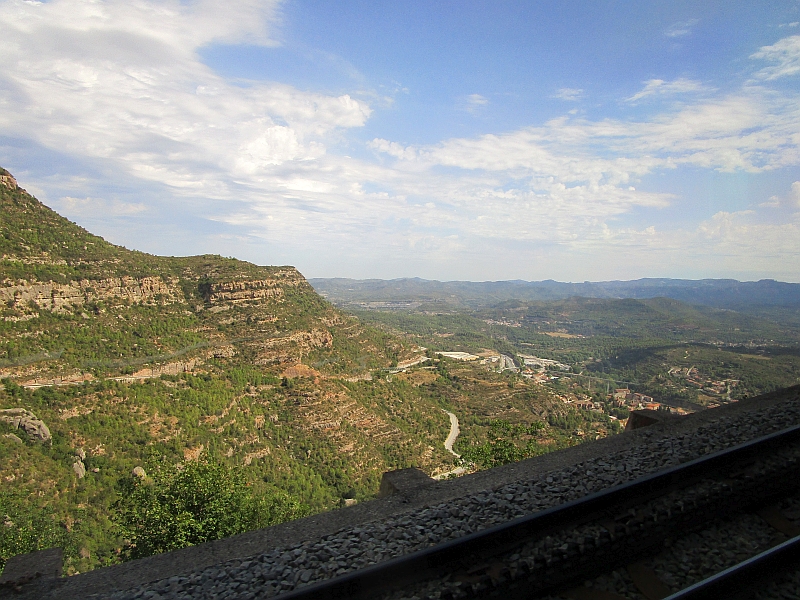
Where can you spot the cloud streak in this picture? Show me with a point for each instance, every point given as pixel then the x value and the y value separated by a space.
pixel 659 87
pixel 785 54
pixel 569 94
pixel 681 29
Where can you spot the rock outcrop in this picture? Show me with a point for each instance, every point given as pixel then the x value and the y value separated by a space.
pixel 8 181
pixel 59 297
pixel 245 291
pixel 20 418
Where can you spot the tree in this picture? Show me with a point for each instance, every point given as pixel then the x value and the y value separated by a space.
pixel 25 527
pixel 179 506
pixel 507 443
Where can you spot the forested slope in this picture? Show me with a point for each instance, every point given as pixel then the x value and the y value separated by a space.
pixel 125 356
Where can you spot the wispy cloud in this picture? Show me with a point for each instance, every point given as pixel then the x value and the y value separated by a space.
pixel 681 29
pixel 92 207
pixel 567 181
pixel 474 103
pixel 659 87
pixel 569 94
pixel 785 54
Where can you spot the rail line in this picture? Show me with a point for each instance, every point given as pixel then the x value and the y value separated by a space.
pixel 563 546
pixel 742 578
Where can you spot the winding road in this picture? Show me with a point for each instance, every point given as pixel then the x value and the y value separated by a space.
pixel 448 445
pixel 453 435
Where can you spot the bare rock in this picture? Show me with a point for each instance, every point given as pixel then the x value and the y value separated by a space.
pixel 80 453
pixel 27 421
pixel 138 472
pixel 80 469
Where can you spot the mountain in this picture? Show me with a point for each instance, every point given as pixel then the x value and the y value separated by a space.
pixel 122 356
pixel 718 293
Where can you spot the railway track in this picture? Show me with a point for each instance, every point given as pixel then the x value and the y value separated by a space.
pixel 554 551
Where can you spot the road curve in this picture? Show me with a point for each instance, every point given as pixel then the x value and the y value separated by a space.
pixel 453 435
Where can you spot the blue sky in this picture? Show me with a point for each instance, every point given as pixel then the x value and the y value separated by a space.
pixel 449 140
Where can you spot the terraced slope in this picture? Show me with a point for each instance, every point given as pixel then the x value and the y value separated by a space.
pixel 124 355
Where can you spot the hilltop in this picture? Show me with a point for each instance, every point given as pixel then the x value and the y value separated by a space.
pixel 106 309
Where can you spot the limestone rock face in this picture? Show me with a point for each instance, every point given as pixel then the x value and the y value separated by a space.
pixel 27 421
pixel 59 297
pixel 8 181
pixel 79 468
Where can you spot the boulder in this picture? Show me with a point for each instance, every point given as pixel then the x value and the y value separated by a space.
pixel 138 472
pixel 80 453
pixel 80 469
pixel 27 421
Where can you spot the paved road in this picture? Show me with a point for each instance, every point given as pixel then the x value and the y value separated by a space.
pixel 453 435
pixel 448 444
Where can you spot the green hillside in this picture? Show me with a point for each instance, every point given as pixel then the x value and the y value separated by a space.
pixel 126 356
pixel 133 360
pixel 171 363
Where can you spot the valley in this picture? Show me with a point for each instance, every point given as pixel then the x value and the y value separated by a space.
pixel 134 363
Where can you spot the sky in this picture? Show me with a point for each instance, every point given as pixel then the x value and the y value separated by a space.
pixel 450 140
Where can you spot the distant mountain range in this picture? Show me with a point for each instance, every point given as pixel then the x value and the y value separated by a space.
pixel 397 293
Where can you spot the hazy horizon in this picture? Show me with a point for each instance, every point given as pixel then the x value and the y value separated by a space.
pixel 453 141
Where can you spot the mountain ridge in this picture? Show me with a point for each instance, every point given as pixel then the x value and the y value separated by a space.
pixel 717 293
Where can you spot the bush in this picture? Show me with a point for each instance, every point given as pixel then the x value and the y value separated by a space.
pixel 25 528
pixel 507 443
pixel 179 506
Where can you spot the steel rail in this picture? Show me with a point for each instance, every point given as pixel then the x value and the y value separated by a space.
pixel 435 561
pixel 740 579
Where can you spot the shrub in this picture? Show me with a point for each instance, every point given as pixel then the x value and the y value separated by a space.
pixel 26 528
pixel 179 506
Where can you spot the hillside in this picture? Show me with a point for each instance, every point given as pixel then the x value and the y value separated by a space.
pixel 124 356
pixel 113 359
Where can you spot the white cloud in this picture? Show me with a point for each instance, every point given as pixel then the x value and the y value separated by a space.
pixel 784 53
pixel 791 201
pixel 662 88
pixel 474 103
pixel 122 82
pixel 753 130
pixel 681 29
pixel 569 94
pixel 120 85
pixel 393 149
